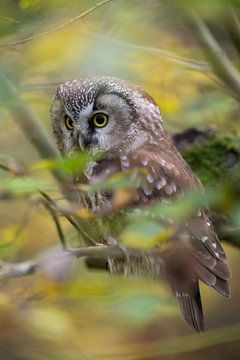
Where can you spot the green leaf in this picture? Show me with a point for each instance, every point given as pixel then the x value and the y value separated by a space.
pixel 144 234
pixel 7 19
pixel 23 185
pixel 66 164
pixel 178 210
pixel 26 4
pixel 118 180
pixel 51 322
pixel 139 308
pixel 11 241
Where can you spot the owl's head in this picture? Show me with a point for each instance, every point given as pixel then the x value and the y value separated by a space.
pixel 104 113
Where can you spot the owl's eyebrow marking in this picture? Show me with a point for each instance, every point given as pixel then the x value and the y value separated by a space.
pixel 101 91
pixel 105 90
pixel 124 97
pixel 87 110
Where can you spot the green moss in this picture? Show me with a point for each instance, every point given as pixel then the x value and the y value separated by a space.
pixel 215 159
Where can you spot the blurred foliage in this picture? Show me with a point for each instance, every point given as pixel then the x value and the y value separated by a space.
pixel 87 314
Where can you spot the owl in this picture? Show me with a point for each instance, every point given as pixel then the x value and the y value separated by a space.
pixel 121 121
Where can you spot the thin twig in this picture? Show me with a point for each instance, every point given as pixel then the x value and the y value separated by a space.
pixel 87 238
pixel 58 27
pixel 57 224
pixel 14 168
pixel 169 55
pixel 73 221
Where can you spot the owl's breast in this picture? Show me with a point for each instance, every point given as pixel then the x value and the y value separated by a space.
pixel 95 173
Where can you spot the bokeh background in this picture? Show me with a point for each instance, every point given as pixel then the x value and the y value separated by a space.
pixel 91 315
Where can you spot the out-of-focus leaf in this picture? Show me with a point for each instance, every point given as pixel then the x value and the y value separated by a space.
pixel 144 234
pixel 9 245
pixel 142 307
pixel 25 4
pixel 134 301
pixel 8 19
pixel 66 164
pixel 24 185
pixel 50 322
pixel 118 180
pixel 175 211
pixel 122 197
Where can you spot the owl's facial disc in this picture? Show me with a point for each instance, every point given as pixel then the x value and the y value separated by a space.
pixel 92 115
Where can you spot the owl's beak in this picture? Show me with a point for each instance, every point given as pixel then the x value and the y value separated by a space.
pixel 81 143
pixel 84 142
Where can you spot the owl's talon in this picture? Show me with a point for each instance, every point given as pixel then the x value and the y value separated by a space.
pixel 125 251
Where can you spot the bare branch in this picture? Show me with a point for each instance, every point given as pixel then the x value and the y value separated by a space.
pixel 32 128
pixel 58 27
pixel 12 270
pixel 9 270
pixel 222 65
pixel 14 167
pixel 28 121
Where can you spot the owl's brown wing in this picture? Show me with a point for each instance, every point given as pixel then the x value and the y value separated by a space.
pixel 168 176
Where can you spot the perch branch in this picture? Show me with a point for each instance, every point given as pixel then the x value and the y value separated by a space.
pixel 12 270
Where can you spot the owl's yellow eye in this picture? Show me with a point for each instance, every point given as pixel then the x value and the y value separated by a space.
pixel 100 120
pixel 68 122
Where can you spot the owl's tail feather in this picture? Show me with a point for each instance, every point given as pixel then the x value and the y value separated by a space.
pixel 221 286
pixel 189 300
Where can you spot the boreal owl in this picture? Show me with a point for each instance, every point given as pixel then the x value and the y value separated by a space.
pixel 123 122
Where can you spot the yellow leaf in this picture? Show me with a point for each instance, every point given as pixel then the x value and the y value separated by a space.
pixel 122 197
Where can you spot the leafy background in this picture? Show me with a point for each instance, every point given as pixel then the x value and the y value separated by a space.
pixel 88 314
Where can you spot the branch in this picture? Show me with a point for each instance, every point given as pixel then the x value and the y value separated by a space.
pixel 236 22
pixel 9 270
pixel 58 27
pixel 32 128
pixel 12 270
pixel 55 210
pixel 58 226
pixel 170 56
pixel 222 65
pixel 27 121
